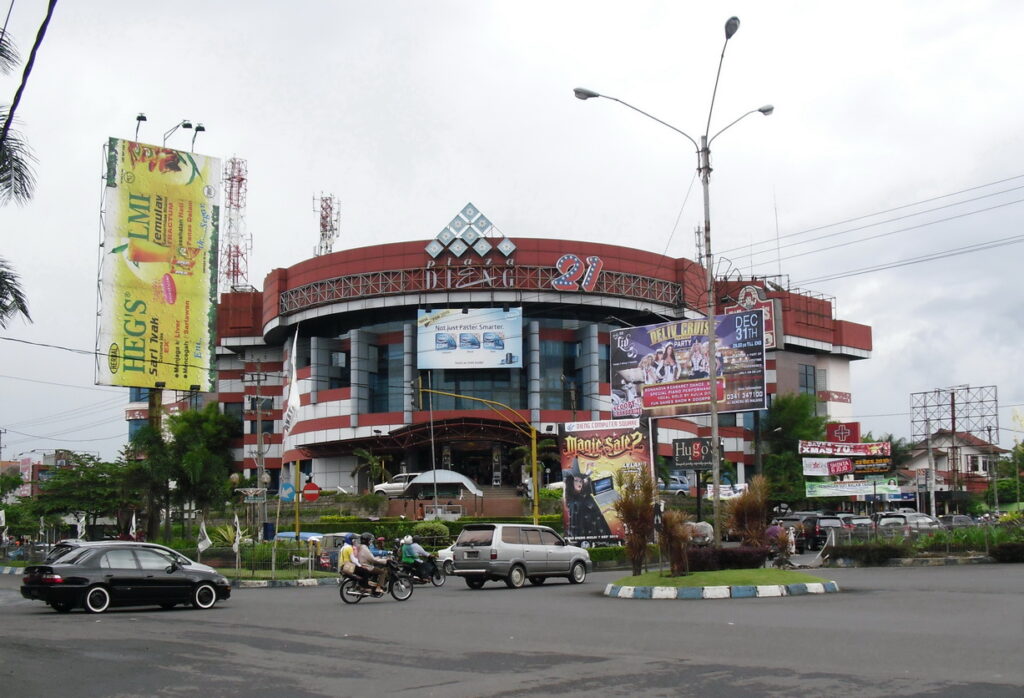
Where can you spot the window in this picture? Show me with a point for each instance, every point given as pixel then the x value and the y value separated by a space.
pixel 385 374
pixel 807 384
pixel 510 534
pixel 561 381
pixel 235 412
pixel 152 560
pixel 134 425
pixel 550 538
pixel 138 394
pixel 531 536
pixel 119 560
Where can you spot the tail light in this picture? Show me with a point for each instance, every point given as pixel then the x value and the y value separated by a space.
pixel 44 578
pixel 494 554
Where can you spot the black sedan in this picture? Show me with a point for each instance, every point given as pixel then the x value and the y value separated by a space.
pixel 123 574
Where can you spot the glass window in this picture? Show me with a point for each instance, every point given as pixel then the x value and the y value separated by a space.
pixel 235 412
pixel 134 425
pixel 267 426
pixel 385 374
pixel 561 380
pixel 138 394
pixel 510 534
pixel 807 385
pixel 531 536
pixel 550 538
pixel 152 560
pixel 119 560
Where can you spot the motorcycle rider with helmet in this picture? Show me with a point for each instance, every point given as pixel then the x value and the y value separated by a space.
pixel 368 564
pixel 414 555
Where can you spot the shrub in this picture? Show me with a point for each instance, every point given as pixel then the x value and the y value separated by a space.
pixel 434 530
pixel 1008 552
pixel 745 557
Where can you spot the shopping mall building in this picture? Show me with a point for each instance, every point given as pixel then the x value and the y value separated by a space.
pixel 551 305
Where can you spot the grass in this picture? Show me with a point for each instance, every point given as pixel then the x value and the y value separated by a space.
pixel 753 577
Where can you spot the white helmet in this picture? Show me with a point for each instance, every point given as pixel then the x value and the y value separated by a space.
pixel 407 540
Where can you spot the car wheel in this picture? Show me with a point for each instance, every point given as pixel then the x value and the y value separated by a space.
pixel 475 582
pixel 168 605
pixel 349 591
pixel 62 606
pixel 516 577
pixel 97 600
pixel 401 588
pixel 537 581
pixel 449 567
pixel 204 596
pixel 578 573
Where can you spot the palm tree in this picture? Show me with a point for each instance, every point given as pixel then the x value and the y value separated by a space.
pixel 377 465
pixel 17 183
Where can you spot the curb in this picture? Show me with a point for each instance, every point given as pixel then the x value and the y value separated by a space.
pixel 276 583
pixel 12 570
pixel 724 592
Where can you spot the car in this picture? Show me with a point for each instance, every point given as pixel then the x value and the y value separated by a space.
pixel 514 553
pixel 444 558
pixel 856 522
pixel 62 548
pixel 396 486
pixel 99 577
pixel 816 529
pixel 951 521
pixel 907 523
pixel 677 484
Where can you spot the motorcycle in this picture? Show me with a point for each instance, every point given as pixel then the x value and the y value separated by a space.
pixel 396 581
pixel 434 574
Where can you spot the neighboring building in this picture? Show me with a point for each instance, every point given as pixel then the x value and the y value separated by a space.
pixel 964 464
pixel 356 312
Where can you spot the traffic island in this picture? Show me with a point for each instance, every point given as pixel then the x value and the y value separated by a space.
pixel 720 592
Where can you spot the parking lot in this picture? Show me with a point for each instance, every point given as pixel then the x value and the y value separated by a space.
pixel 941 631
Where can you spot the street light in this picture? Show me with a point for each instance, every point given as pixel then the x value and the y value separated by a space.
pixel 184 123
pixel 704 168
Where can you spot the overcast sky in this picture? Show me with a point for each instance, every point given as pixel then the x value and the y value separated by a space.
pixel 902 119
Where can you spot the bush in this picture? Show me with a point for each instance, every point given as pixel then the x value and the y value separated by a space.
pixel 433 530
pixel 1008 552
pixel 870 554
pixel 745 557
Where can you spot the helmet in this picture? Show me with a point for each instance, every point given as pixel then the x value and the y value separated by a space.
pixel 349 538
pixel 366 538
pixel 407 540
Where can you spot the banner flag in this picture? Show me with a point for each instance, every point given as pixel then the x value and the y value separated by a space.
pixel 204 538
pixel 131 531
pixel 238 535
pixel 291 412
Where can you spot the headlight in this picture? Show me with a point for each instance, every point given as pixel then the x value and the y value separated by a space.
pixel 223 580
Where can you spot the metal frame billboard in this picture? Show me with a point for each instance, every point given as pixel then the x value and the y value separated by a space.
pixel 662 370
pixel 158 272
pixel 456 338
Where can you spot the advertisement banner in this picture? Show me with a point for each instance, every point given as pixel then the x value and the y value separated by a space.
pixel 754 297
pixel 830 448
pixel 853 487
pixel 158 275
pixel 692 454
pixel 865 466
pixel 843 432
pixel 662 370
pixel 817 467
pixel 469 338
pixel 592 454
pixel 726 491
pixel 840 467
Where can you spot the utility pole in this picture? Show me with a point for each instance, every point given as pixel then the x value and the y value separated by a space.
pixel 258 377
pixel 992 464
pixel 931 469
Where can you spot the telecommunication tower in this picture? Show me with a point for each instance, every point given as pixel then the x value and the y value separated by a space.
pixel 330 222
pixel 237 242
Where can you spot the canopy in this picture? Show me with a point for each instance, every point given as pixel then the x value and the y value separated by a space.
pixel 424 482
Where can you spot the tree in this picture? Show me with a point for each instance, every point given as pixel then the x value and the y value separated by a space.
pixel 201 456
pixel 791 418
pixel 547 456
pixel 635 508
pixel 86 488
pixel 376 465
pixel 12 298
pixel 150 470
pixel 9 482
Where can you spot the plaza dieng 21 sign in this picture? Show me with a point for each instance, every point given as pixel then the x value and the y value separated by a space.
pixel 158 274
pixel 478 338
pixel 662 370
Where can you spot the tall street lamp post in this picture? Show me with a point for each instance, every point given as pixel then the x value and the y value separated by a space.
pixel 704 169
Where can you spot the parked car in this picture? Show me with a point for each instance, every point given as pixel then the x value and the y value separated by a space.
pixel 62 548
pixel 98 577
pixel 856 522
pixel 444 558
pixel 514 553
pixel 396 486
pixel 677 484
pixel 907 523
pixel 951 521
pixel 816 529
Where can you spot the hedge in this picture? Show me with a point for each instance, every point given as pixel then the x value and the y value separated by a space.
pixel 1008 552
pixel 871 554
pixel 390 529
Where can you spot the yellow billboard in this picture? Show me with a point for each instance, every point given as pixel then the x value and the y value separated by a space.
pixel 158 274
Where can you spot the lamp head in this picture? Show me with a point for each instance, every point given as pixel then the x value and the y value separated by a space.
pixel 767 109
pixel 584 93
pixel 731 25
pixel 140 117
pixel 200 128
pixel 186 124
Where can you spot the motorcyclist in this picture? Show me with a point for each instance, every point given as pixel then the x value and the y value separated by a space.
pixel 367 564
pixel 416 557
pixel 346 551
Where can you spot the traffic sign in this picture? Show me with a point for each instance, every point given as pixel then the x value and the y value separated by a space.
pixel 287 492
pixel 310 492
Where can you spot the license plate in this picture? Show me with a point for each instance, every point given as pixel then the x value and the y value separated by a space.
pixel 472 554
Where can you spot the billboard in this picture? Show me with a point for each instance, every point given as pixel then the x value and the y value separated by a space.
pixel 592 454
pixel 692 454
pixel 851 487
pixel 158 274
pixel 830 448
pixel 469 338
pixel 662 370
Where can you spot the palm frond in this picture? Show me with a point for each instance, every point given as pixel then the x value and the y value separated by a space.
pixel 17 178
pixel 12 298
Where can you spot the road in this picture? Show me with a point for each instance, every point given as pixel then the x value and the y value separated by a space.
pixel 938 631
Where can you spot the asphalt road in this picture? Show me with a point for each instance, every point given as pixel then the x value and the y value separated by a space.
pixel 919 631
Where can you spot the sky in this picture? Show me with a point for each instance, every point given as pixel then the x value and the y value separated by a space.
pixel 896 135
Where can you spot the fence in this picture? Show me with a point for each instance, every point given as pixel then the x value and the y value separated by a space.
pixel 976 540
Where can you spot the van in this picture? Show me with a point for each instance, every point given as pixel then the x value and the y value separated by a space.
pixel 514 553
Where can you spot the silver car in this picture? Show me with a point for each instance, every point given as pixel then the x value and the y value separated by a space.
pixel 514 553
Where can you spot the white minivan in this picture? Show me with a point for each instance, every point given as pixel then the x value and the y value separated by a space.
pixel 513 553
